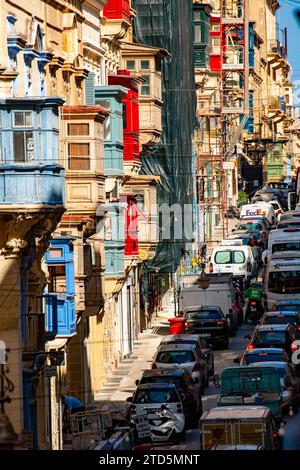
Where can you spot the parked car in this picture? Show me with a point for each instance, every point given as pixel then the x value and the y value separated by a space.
pixel 210 323
pixel 279 317
pixel 279 336
pixel 189 391
pixel 186 356
pixel 262 355
pixel 154 400
pixel 289 383
pixel 261 226
pixel 193 339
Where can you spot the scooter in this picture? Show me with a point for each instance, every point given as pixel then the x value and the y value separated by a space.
pixel 166 425
pixel 254 311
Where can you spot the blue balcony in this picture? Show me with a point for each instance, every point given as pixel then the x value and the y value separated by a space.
pixel 60 292
pixel 114 258
pixel 32 184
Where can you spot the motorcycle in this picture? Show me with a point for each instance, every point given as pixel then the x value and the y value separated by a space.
pixel 166 425
pixel 254 311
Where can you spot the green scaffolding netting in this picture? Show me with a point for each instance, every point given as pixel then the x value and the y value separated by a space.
pixel 168 24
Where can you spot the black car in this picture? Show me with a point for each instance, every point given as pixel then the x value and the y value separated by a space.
pixel 210 323
pixel 274 336
pixel 278 317
pixel 262 355
pixel 189 391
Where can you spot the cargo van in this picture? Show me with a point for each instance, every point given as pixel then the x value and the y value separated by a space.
pixel 255 386
pixel 220 292
pixel 282 278
pixel 262 209
pixel 284 240
pixel 237 426
pixel 237 260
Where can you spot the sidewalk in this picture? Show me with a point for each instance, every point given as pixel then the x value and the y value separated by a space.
pixel 121 383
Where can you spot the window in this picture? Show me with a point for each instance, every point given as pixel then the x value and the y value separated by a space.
pixel 22 119
pixel 216 45
pixel 197 15
pixel 230 257
pixel 23 146
pixel 198 33
pixel 57 278
pixel 130 64
pixel 55 252
pixel 145 86
pixel 79 156
pixel 286 246
pixel 78 129
pixel 215 27
pixel 284 282
pixel 145 64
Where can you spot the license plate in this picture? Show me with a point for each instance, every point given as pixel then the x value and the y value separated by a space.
pixel 205 335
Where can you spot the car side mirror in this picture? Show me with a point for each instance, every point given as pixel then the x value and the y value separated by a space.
pixel 247 337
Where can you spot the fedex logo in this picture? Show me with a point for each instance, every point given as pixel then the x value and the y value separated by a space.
pixel 256 212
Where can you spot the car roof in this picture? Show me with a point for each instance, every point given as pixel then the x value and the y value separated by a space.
pixel 289 302
pixel 156 386
pixel 177 347
pixel 202 307
pixel 184 338
pixel 164 372
pixel 264 350
pixel 272 327
pixel 278 364
pixel 275 313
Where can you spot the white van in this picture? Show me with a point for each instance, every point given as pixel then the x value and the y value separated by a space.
pixel 262 209
pixel 284 240
pixel 282 278
pixel 237 260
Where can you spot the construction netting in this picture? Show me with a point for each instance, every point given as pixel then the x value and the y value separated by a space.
pixel 168 24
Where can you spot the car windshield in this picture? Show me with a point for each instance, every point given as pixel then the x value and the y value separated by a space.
pixel 175 357
pixel 229 257
pixel 280 320
pixel 288 224
pixel 163 379
pixel 284 282
pixel 286 246
pixel 263 337
pixel 203 315
pixel 262 357
pixel 250 226
pixel 156 396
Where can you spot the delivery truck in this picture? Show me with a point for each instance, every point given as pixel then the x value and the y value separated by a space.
pixel 239 427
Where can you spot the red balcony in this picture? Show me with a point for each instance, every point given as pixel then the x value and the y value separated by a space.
pixel 117 10
pixel 131 228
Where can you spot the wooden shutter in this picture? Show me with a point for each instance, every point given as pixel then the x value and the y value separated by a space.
pixel 89 88
pixel 79 156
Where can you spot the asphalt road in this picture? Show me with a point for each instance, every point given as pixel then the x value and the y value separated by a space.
pixel 225 359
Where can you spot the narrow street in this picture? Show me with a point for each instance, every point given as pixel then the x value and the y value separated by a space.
pixel 122 384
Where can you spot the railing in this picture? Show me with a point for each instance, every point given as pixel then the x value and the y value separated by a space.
pixel 25 184
pixel 275 47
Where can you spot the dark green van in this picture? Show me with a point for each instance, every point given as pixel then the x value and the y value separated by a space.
pixel 251 386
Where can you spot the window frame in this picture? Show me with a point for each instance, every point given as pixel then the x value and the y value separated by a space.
pixel 143 84
pixel 130 60
pixel 22 126
pixel 23 132
pixel 141 62
pixel 75 157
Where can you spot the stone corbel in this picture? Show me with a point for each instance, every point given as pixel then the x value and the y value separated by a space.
pixel 44 58
pixel 13 248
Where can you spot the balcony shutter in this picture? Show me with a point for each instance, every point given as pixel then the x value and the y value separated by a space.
pixel 90 89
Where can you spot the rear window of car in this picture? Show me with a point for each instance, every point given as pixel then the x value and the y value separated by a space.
pixel 262 357
pixel 288 308
pixel 229 257
pixel 281 320
pixel 156 396
pixel 203 315
pixel 250 227
pixel 175 357
pixel 263 337
pixel 177 381
pixel 288 225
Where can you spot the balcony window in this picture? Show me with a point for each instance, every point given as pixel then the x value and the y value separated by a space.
pixel 197 15
pixel 57 278
pixel 23 146
pixel 145 64
pixel 78 129
pixel 198 33
pixel 145 86
pixel 130 64
pixel 22 119
pixel 216 45
pixel 79 156
pixel 215 27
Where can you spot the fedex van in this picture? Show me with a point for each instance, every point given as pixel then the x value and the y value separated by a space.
pixel 284 240
pixel 282 278
pixel 263 209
